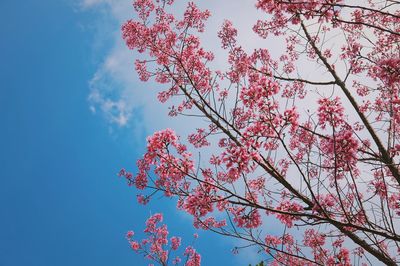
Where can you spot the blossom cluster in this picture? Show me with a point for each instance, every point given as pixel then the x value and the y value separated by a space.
pixel 156 246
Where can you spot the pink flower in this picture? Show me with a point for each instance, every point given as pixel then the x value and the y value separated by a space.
pixel 135 245
pixel 290 208
pixel 227 35
pixel 142 199
pixel 175 242
pixel 330 112
pixel 129 234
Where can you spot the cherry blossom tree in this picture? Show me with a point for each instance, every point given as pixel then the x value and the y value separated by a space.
pixel 310 137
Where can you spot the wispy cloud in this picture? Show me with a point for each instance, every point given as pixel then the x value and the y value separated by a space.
pixel 90 3
pixel 115 91
pixel 112 88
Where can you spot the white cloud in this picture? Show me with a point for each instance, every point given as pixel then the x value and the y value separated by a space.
pixel 116 111
pixel 90 3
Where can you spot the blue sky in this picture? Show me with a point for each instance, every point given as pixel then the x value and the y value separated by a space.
pixel 60 200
